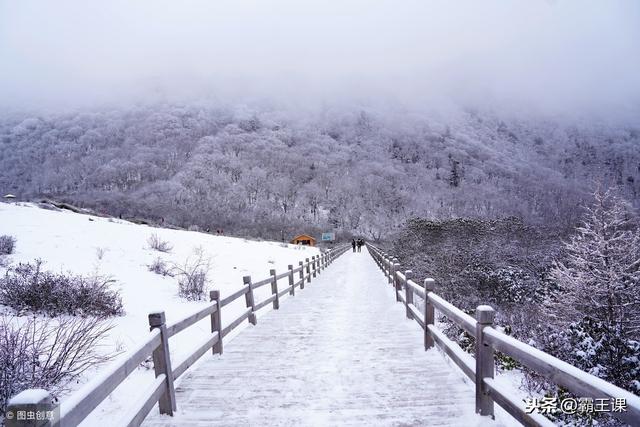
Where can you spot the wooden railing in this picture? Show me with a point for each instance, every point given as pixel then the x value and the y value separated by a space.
pixel 80 404
pixel 480 369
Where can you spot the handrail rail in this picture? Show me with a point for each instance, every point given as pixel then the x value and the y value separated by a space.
pixel 262 282
pixel 488 340
pixel 185 322
pixel 563 373
pixel 460 318
pixel 234 296
pixel 85 400
pixel 81 403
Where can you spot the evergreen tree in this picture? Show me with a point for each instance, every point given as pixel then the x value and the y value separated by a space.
pixel 596 306
pixel 600 277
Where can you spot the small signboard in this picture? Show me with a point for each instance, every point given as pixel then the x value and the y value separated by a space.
pixel 328 237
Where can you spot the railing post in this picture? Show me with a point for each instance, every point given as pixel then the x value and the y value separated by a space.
pixel 484 360
pixel 162 363
pixel 292 284
pixel 394 264
pixel 396 281
pixel 301 264
pixel 274 289
pixel 408 293
pixel 216 321
pixel 387 265
pixel 315 266
pixel 429 314
pixel 391 271
pixel 32 401
pixel 307 263
pixel 249 299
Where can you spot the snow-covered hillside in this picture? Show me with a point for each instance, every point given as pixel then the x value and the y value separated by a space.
pixel 86 244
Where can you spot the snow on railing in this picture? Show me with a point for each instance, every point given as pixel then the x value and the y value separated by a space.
pixel 80 404
pixel 481 368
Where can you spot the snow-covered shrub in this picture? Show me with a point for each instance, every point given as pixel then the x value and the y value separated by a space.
pixel 498 262
pixel 47 354
pixel 193 276
pixel 192 286
pixel 155 242
pixel 593 347
pixel 7 244
pixel 161 267
pixel 508 285
pixel 100 253
pixel 26 287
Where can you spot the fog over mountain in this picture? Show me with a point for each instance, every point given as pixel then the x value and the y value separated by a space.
pixel 352 115
pixel 556 57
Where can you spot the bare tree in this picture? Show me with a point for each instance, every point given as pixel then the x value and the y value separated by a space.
pixel 48 354
pixel 193 275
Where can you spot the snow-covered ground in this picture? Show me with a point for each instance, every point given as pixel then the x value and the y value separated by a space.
pixel 85 244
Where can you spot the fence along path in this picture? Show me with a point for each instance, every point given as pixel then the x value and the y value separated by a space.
pixel 340 354
pixel 480 369
pixel 161 391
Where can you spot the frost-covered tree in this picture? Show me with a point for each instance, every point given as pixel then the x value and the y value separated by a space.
pixel 257 168
pixel 600 277
pixel 596 306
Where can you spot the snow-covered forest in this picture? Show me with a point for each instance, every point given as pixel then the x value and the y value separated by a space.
pixel 259 172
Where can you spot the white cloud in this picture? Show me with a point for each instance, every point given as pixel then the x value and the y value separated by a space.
pixel 554 55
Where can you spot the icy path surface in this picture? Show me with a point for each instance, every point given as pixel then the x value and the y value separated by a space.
pixel 341 352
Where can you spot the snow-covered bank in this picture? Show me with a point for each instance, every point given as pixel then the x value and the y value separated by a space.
pixel 85 244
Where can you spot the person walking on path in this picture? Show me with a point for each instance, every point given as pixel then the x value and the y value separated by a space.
pixel 353 244
pixel 360 243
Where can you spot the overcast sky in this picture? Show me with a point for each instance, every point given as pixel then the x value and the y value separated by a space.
pixel 551 55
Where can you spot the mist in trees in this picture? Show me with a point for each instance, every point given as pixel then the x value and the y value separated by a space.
pixel 255 118
pixel 262 171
